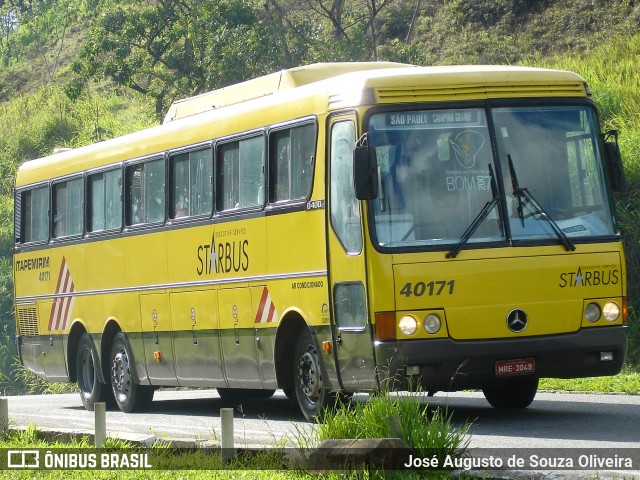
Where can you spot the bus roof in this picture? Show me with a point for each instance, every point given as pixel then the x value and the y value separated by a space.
pixel 268 85
pixel 301 92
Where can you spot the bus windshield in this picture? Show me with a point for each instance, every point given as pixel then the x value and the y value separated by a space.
pixel 438 168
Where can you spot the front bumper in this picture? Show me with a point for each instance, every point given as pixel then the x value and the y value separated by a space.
pixel 448 365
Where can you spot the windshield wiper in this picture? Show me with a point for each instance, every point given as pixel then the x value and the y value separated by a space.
pixel 479 218
pixel 524 197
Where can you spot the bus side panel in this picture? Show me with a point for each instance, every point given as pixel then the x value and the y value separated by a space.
pixel 158 338
pixel 237 338
pixel 297 247
pixel 196 341
pixel 265 316
pixel 32 354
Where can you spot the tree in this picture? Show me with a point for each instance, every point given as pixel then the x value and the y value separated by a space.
pixel 374 7
pixel 170 49
pixel 349 30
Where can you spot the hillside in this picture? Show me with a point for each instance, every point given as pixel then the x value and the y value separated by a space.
pixel 73 72
pixel 167 50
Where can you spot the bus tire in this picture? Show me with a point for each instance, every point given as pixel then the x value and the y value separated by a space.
pixel 313 399
pixel 239 394
pixel 511 394
pixel 87 364
pixel 129 395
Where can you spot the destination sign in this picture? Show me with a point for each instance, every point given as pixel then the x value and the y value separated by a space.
pixel 430 119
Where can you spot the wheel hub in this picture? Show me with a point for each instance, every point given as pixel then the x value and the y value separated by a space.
pixel 121 373
pixel 310 375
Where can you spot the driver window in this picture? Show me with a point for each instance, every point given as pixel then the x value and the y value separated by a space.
pixel 345 209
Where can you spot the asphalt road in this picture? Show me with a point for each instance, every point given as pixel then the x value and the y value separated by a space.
pixel 553 421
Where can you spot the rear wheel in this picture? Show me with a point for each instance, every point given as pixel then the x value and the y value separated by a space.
pixel 512 394
pixel 87 364
pixel 313 398
pixel 129 396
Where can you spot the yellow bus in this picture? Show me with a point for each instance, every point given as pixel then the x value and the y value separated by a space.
pixel 330 229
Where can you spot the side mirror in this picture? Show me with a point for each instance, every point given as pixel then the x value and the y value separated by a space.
pixel 365 173
pixel 613 161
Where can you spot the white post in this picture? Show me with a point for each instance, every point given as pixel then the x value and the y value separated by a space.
pixel 4 416
pixel 226 434
pixel 100 435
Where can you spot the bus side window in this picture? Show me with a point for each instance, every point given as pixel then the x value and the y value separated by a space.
pixel 201 182
pixel 228 172
pixel 252 172
pixel 135 214
pixel 35 215
pixel 145 192
pixel 240 174
pixel 67 208
pixel 191 183
pixel 154 191
pixel 105 201
pixel 179 193
pixel 291 160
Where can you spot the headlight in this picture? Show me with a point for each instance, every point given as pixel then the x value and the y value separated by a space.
pixel 611 311
pixel 431 323
pixel 592 312
pixel 408 325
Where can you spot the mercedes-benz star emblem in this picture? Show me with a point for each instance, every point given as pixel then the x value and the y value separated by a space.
pixel 517 320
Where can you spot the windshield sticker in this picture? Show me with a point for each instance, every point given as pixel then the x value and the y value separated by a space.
pixel 467 145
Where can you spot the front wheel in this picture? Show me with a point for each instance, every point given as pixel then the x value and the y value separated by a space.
pixel 87 365
pixel 130 396
pixel 313 398
pixel 511 394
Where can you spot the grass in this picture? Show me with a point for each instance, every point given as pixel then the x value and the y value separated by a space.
pixel 385 416
pixel 626 382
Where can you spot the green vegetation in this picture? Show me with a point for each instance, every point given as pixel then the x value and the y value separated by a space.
pixel 385 416
pixel 627 382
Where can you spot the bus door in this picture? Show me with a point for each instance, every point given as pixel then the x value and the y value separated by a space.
pixel 352 331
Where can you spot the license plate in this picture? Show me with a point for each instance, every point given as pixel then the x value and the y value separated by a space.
pixel 520 366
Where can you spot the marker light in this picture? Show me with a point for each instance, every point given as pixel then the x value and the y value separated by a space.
pixel 408 325
pixel 611 311
pixel 592 312
pixel 431 323
pixel 606 356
